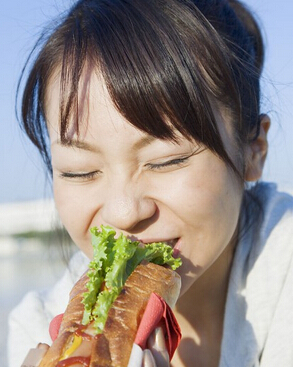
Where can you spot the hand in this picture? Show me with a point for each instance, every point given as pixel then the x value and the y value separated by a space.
pixel 35 355
pixel 156 355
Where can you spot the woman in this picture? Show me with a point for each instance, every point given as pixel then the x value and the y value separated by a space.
pixel 147 115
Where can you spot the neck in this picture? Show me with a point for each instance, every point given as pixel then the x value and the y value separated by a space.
pixel 208 294
pixel 200 313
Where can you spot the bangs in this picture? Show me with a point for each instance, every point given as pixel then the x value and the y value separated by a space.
pixel 157 78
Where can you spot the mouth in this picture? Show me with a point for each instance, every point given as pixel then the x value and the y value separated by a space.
pixel 177 247
pixel 175 243
pixel 172 242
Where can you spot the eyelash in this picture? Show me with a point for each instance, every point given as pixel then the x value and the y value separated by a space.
pixel 153 166
pixel 174 162
pixel 81 176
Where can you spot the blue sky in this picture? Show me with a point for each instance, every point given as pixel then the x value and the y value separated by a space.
pixel 22 175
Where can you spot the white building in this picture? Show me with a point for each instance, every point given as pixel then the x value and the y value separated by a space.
pixel 19 218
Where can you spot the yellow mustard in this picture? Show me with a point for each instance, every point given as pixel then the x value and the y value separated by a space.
pixel 75 344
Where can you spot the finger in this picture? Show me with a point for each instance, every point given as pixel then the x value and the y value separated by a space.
pixel 148 359
pixel 34 356
pixel 136 356
pixel 43 346
pixel 157 345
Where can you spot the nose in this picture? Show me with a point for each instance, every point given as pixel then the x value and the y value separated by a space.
pixel 126 207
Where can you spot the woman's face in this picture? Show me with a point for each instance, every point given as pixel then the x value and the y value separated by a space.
pixel 147 188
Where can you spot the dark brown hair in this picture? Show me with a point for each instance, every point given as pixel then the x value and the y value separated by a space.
pixel 163 61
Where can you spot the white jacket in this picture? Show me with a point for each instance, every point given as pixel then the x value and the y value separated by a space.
pixel 258 326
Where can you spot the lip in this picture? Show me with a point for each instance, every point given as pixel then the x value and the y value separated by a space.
pixel 171 242
pixel 175 243
pixel 177 248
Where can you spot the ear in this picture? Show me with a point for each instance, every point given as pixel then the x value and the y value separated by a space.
pixel 257 151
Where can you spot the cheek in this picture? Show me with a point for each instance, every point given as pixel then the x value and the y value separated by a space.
pixel 210 206
pixel 210 213
pixel 75 216
pixel 211 195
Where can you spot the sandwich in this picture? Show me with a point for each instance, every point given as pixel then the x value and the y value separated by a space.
pixel 108 302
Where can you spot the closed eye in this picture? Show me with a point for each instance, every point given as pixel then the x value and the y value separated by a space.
pixel 82 176
pixel 178 162
pixel 175 162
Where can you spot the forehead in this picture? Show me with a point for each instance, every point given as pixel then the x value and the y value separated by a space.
pixel 61 99
pixel 99 121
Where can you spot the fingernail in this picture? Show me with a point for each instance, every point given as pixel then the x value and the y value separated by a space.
pixel 157 340
pixel 160 339
pixel 43 346
pixel 148 359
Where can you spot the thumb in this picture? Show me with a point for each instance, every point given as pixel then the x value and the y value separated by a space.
pixel 148 359
pixel 157 346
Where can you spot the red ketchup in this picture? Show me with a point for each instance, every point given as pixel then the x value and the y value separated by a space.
pixel 78 360
pixel 84 361
pixel 80 332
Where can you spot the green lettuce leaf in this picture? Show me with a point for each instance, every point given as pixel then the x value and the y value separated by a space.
pixel 113 261
pixel 102 241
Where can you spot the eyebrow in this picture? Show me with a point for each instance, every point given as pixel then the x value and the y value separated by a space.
pixel 143 142
pixel 75 143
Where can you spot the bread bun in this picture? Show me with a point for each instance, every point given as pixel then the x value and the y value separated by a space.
pixel 113 347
